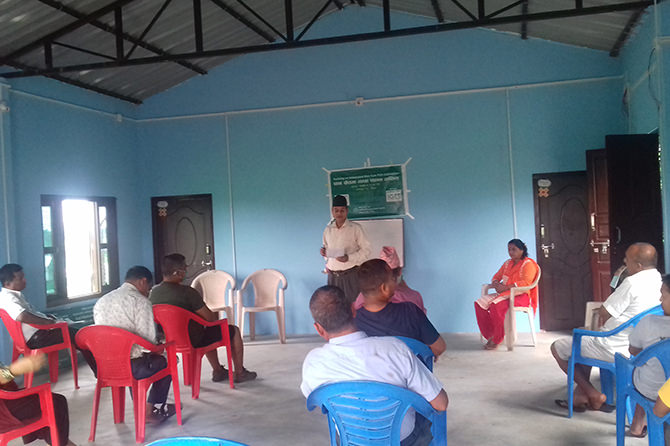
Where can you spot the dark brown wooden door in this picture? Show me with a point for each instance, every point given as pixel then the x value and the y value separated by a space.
pixel 183 224
pixel 599 219
pixel 562 246
pixel 634 194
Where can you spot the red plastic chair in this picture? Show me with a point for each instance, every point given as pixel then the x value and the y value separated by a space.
pixel 20 348
pixel 47 419
pixel 111 348
pixel 174 321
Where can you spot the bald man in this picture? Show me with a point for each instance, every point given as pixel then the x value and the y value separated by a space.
pixel 638 292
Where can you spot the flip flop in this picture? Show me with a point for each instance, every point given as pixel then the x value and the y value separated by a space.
pixel 564 404
pixel 607 408
pixel 640 435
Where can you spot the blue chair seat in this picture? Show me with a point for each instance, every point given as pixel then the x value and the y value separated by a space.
pixel 607 370
pixel 371 413
pixel 625 389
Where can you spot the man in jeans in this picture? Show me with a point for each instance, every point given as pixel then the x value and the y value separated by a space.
pixel 128 307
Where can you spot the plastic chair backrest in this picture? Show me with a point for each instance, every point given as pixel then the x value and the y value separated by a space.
pixel 174 321
pixel 14 329
pixel 111 349
pixel 216 288
pixel 520 290
pixel 421 350
pixel 194 441
pixel 266 283
pixel 372 411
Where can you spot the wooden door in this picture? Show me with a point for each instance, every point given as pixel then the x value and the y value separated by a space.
pixel 634 178
pixel 599 220
pixel 183 224
pixel 562 246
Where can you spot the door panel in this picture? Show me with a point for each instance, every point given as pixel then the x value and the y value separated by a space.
pixel 183 224
pixel 562 234
pixel 633 173
pixel 596 170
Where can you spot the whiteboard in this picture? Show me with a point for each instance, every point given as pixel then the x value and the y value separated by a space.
pixel 386 232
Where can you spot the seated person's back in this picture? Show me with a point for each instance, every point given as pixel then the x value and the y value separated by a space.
pixel 380 317
pixel 351 355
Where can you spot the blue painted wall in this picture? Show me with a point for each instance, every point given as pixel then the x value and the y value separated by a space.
pixel 459 176
pixel 490 95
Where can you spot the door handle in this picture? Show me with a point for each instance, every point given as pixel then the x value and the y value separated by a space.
pixel 593 221
pixel 545 249
pixel 207 263
pixel 604 246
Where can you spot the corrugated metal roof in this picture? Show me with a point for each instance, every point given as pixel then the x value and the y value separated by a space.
pixel 24 22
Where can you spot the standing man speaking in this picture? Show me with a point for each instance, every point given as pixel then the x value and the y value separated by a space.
pixel 345 246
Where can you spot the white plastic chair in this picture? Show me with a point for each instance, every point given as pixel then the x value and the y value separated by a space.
pixel 269 286
pixel 510 317
pixel 217 288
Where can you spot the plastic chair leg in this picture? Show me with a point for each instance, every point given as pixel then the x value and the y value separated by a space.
pixel 187 367
pixel 532 327
pixel 607 385
pixel 119 404
pixel 140 402
pixel 571 382
pixel 196 370
pixel 94 415
pixel 240 320
pixel 53 367
pixel 281 325
pixel 75 367
pixel 229 357
pixel 655 431
pixel 252 326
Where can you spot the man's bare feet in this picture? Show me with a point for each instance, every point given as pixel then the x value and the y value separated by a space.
pixel 596 401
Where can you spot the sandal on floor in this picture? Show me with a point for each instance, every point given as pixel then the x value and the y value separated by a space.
pixel 246 375
pixel 564 405
pixel 220 375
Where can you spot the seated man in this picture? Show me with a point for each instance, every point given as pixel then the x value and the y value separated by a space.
pixel 15 304
pixel 649 377
pixel 170 291
pixel 638 292
pixel 403 293
pixel 21 411
pixel 127 307
pixel 351 355
pixel 380 317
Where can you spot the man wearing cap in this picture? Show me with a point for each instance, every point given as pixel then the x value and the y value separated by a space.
pixel 345 247
pixel 403 293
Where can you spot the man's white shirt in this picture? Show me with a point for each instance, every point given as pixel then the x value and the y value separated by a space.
pixel 356 356
pixel 15 303
pixel 352 238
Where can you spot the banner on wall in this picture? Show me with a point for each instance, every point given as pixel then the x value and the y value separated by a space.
pixel 372 192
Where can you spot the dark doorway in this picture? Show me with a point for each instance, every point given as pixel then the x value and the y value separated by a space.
pixel 562 234
pixel 633 174
pixel 183 224
pixel 599 222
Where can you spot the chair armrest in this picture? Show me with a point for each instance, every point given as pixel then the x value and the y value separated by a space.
pixel 516 290
pixel 61 325
pixel 205 323
pixel 15 395
pixel 485 288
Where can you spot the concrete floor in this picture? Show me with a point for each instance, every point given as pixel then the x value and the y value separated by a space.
pixel 496 398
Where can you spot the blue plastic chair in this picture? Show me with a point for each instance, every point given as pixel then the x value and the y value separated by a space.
pixel 607 370
pixel 626 390
pixel 370 413
pixel 421 350
pixel 194 441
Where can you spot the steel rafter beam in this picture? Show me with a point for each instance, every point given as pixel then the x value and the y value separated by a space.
pixel 314 19
pixel 81 21
pixel 149 26
pixel 243 20
pixel 505 9
pixel 437 10
pixel 80 84
pixel 110 29
pixel 265 22
pixel 464 9
pixel 288 12
pixel 546 15
pixel 524 24
pixel 625 33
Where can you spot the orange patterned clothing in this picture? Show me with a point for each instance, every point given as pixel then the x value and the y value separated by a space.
pixel 522 273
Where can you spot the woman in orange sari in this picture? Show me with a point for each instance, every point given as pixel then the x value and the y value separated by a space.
pixel 518 271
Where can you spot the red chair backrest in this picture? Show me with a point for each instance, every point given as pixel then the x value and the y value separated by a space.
pixel 14 329
pixel 111 348
pixel 174 321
